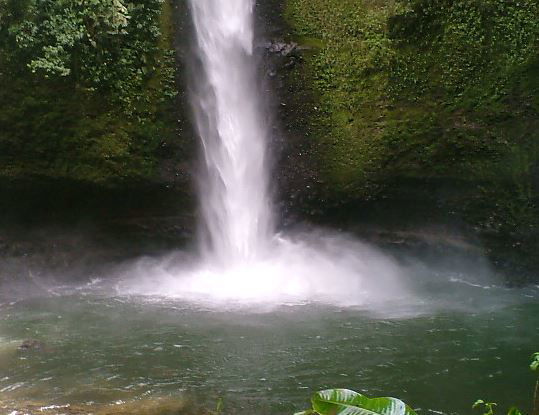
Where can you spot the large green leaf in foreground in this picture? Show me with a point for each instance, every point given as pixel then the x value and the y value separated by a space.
pixel 347 402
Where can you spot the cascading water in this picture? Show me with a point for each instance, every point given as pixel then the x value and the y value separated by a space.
pixel 234 191
pixel 243 258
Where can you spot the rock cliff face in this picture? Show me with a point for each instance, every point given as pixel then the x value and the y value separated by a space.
pixel 107 134
pixel 412 113
pixel 94 171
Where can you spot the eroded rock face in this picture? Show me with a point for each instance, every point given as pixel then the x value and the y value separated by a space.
pixel 280 47
pixel 296 173
pixel 347 150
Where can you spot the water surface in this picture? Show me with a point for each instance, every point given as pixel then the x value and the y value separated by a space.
pixel 101 349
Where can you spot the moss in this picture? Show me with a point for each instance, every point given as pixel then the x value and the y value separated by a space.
pixel 57 128
pixel 434 91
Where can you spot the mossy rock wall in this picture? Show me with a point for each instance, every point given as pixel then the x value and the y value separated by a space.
pixel 435 101
pixel 119 125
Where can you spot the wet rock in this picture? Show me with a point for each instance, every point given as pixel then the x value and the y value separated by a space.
pixel 31 345
pixel 42 409
pixel 290 64
pixel 155 406
pixel 281 48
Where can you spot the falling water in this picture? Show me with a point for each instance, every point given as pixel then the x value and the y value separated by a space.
pixel 234 191
pixel 243 258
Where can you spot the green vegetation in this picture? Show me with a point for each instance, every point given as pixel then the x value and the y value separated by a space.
pixel 87 88
pixel 534 365
pixel 347 402
pixel 488 408
pixel 412 91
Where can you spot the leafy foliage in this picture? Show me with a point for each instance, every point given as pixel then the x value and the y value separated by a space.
pixel 534 365
pixel 347 402
pixel 55 32
pixel 462 43
pixel 101 45
pixel 88 87
pixel 488 407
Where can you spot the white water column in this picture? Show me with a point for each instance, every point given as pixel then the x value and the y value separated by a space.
pixel 234 193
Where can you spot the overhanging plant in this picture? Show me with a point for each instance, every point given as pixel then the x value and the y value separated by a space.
pixel 348 402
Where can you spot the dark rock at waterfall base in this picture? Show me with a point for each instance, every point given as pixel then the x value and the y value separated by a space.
pixel 281 48
pixel 31 345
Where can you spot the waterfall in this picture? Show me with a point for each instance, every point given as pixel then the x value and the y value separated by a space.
pixel 243 258
pixel 234 197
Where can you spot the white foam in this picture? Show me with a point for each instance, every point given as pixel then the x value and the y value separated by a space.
pixel 314 267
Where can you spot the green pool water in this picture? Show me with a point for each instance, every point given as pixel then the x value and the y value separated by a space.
pixel 97 348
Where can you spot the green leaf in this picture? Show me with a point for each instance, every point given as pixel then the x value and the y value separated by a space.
pixel 220 406
pixel 347 402
pixel 514 411
pixel 534 365
pixel 488 407
pixel 478 403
